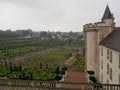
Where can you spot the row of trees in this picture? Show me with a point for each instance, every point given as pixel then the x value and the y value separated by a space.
pixel 43 34
pixel 15 34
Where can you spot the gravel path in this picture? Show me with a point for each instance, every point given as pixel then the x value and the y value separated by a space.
pixel 75 76
pixel 68 61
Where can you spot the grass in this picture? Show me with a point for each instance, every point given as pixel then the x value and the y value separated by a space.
pixel 54 57
pixel 79 62
pixel 4 70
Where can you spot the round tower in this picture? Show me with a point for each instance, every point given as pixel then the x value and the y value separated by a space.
pixel 91 40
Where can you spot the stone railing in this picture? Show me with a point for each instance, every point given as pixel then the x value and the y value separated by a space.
pixel 52 85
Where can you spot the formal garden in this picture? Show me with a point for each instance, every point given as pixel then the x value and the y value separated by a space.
pixel 41 72
pixel 46 64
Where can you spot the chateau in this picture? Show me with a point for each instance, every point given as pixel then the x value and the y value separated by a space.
pixel 102 48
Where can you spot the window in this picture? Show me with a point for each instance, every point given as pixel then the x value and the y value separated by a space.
pixel 119 60
pixel 101 77
pixel 101 64
pixel 101 51
pixel 111 56
pixel 119 79
pixel 107 53
pixel 107 68
pixel 111 73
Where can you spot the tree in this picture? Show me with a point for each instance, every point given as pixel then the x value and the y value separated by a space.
pixel 57 70
pixel 15 68
pixel 41 66
pixel 43 34
pixel 31 76
pixel 20 68
pixel 46 66
pixel 10 67
pixel 23 75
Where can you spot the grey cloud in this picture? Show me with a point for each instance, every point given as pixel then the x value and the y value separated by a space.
pixel 60 12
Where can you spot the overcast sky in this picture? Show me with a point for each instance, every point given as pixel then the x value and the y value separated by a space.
pixel 54 15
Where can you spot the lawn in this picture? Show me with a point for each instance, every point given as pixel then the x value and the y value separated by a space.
pixel 79 62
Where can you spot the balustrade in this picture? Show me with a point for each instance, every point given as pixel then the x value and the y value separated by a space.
pixel 53 85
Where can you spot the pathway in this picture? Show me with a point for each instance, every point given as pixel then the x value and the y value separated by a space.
pixel 68 61
pixel 75 76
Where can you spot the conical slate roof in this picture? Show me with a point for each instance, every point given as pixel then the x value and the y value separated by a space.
pixel 107 14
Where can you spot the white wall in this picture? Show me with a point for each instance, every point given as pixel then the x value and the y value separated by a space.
pixel 114 65
pixel 91 48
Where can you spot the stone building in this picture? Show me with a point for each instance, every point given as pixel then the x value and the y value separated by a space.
pixel 100 40
pixel 110 58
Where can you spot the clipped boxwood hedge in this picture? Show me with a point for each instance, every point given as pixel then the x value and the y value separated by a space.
pixel 91 72
pixel 93 79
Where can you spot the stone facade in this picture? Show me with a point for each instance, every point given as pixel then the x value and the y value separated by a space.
pixel 109 66
pixel 95 33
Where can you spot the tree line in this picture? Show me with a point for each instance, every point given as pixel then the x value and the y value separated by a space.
pixel 29 33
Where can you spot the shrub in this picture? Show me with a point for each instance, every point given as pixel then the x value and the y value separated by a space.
pixel 64 68
pixel 57 77
pixel 41 66
pixel 93 79
pixel 62 72
pixel 57 71
pixel 91 72
pixel 13 75
pixel 20 68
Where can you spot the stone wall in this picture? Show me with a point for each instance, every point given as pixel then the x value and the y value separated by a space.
pixel 21 88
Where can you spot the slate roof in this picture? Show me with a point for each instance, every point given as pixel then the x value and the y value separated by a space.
pixel 107 14
pixel 112 41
